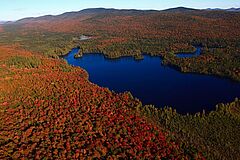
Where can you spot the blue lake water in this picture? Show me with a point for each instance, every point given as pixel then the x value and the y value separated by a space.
pixel 156 84
pixel 189 55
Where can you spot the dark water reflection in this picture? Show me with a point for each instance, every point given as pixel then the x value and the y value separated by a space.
pixel 155 84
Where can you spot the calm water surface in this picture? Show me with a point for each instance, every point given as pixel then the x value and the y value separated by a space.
pixel 189 55
pixel 155 84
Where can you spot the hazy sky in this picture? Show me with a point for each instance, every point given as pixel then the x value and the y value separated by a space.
pixel 16 9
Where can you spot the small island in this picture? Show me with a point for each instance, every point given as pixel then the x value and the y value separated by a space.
pixel 79 54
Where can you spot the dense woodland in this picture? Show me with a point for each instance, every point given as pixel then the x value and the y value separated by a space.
pixel 117 33
pixel 216 132
pixel 57 113
pixel 50 109
pixel 1 29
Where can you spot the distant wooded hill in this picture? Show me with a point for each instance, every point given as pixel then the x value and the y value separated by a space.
pixel 116 33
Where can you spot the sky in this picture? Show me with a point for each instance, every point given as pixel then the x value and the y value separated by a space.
pixel 16 9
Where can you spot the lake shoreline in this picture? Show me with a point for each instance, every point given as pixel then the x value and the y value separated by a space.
pixel 176 67
pixel 175 70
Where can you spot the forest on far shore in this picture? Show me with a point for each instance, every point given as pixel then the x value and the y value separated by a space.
pixel 117 33
pixel 49 109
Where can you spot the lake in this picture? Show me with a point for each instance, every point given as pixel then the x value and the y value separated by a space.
pixel 156 84
pixel 189 55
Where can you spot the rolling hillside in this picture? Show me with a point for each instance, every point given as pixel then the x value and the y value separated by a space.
pixel 49 109
pixel 117 33
pixel 56 113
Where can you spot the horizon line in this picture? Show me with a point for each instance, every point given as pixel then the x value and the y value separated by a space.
pixel 115 9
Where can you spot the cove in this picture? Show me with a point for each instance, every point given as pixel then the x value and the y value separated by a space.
pixel 156 84
pixel 189 55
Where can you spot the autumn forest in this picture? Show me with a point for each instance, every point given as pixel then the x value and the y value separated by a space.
pixel 50 109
